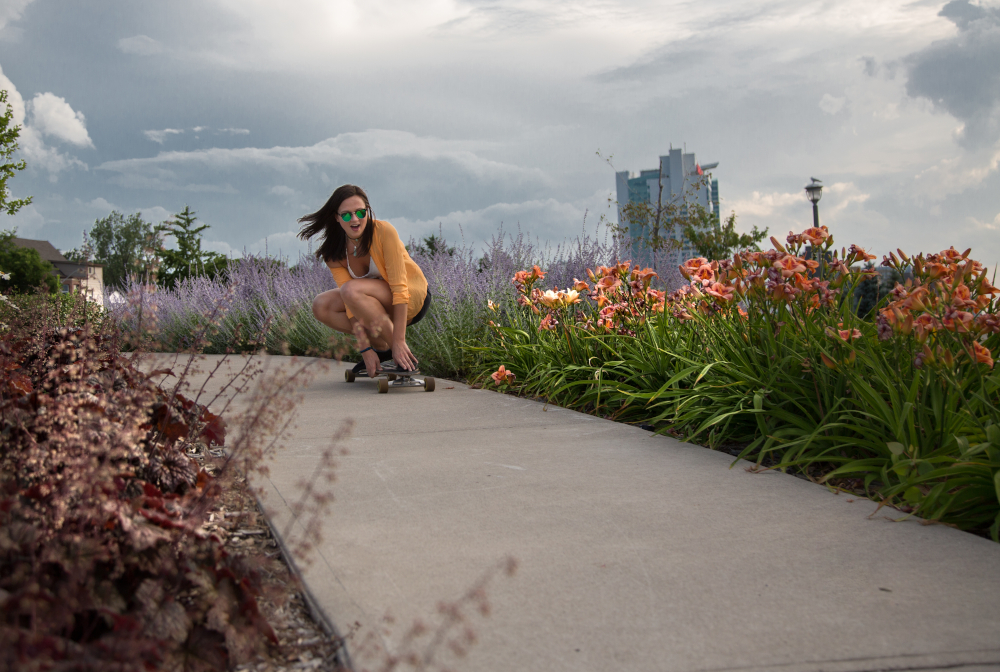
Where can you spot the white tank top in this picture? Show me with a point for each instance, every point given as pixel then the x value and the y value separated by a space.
pixel 372 270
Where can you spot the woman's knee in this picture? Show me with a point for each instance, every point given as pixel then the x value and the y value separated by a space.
pixel 327 303
pixel 349 292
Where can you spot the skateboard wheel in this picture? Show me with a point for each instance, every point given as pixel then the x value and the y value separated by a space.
pixel 428 384
pixel 383 385
pixel 349 376
pixel 391 376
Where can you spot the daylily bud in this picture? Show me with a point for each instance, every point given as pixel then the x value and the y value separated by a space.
pixel 948 358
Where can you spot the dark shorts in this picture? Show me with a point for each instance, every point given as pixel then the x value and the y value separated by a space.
pixel 423 309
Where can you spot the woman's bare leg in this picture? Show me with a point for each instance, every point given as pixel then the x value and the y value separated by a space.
pixel 371 301
pixel 329 309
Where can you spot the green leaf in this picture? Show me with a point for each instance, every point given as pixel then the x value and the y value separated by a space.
pixel 895 447
pixel 993 435
pixel 913 495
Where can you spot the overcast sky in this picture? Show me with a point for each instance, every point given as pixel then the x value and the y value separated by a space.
pixel 475 112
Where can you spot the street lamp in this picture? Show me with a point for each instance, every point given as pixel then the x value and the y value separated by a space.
pixel 814 192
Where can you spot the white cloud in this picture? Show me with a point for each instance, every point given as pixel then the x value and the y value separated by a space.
pixel 140 45
pixel 103 207
pixel 159 136
pixel 155 213
pixel 14 99
pixel 235 131
pixel 345 150
pixel 101 203
pixel 28 221
pixel 282 190
pixel 283 244
pixel 53 116
pixel 11 10
pixel 954 175
pixel 841 195
pixel 831 105
pixel 550 220
pixel 764 205
pixel 989 226
pixel 39 155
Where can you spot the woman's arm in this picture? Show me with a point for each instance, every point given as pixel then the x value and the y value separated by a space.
pixel 400 350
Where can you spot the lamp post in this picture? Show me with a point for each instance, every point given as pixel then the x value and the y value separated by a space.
pixel 814 192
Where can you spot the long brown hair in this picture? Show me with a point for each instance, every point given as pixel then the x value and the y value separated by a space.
pixel 324 221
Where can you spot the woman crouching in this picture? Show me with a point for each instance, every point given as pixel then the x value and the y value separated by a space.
pixel 380 289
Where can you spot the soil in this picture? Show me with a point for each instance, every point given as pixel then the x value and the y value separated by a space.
pixel 303 641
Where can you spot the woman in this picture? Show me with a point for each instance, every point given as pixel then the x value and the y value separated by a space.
pixel 380 290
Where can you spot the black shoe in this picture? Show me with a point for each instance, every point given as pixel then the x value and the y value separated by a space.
pixel 383 355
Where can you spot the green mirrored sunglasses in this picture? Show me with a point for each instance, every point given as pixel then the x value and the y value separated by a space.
pixel 360 214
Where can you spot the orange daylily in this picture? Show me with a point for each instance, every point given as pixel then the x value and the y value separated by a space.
pixel 551 298
pixel 790 265
pixel 691 266
pixel 502 376
pixel 720 291
pixel 953 255
pixel 816 235
pixel 982 354
pixel 958 320
pixel 845 335
pixel 608 283
pixel 645 276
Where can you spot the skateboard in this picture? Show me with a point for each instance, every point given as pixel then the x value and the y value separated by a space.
pixel 394 379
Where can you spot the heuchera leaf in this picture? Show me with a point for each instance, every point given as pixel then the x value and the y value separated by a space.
pixel 19 384
pixel 214 432
pixel 171 426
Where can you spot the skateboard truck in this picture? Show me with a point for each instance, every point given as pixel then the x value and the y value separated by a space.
pixel 393 378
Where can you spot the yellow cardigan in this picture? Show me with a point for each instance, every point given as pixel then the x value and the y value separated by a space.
pixel 405 278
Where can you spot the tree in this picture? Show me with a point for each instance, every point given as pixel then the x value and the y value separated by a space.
pixel 870 291
pixel 27 269
pixel 188 260
pixel 714 241
pixel 8 145
pixel 433 245
pixel 124 245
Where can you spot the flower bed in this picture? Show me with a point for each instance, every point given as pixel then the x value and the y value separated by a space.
pixel 262 304
pixel 765 350
pixel 109 556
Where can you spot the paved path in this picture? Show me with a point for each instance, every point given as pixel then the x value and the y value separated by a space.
pixel 635 551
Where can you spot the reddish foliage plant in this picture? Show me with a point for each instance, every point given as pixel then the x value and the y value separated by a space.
pixel 104 561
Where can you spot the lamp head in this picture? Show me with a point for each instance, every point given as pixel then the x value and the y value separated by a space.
pixel 814 192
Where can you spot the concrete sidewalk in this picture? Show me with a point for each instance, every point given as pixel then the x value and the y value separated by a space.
pixel 635 551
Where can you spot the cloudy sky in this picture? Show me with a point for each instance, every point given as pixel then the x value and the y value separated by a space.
pixel 469 113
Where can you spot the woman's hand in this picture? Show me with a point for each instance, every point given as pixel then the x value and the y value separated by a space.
pixel 403 357
pixel 371 362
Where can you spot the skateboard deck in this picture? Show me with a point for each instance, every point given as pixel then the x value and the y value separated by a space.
pixel 394 379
